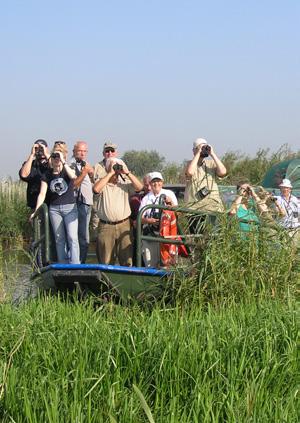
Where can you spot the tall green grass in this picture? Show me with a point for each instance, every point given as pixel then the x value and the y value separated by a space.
pixel 68 362
pixel 13 211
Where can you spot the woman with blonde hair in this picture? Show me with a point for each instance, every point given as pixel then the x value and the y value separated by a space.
pixel 59 181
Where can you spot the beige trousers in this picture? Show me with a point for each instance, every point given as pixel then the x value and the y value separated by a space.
pixel 114 243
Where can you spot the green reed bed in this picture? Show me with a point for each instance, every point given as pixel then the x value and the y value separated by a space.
pixel 63 361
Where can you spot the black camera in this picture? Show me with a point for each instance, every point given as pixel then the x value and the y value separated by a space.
pixel 155 214
pixel 81 162
pixel 55 156
pixel 202 193
pixel 205 151
pixel 117 167
pixel 39 152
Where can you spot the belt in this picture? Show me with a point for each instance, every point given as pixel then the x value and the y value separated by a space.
pixel 114 223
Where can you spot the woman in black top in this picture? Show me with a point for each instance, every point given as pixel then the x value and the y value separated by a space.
pixel 59 182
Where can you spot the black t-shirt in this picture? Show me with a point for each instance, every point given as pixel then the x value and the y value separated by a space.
pixel 34 182
pixel 60 188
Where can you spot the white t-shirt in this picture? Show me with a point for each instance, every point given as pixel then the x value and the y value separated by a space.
pixel 292 209
pixel 151 198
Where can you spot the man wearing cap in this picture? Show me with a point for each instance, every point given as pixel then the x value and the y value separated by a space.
pixel 150 220
pixel 109 152
pixel 202 192
pixel 33 169
pixel 114 230
pixel 84 190
pixel 290 204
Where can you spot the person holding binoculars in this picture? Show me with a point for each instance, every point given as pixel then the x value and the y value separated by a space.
pixel 58 181
pixel 247 207
pixel 114 240
pixel 202 192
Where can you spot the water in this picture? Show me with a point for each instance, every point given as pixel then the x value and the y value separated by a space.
pixel 16 270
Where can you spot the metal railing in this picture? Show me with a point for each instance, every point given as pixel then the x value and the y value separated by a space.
pixel 180 237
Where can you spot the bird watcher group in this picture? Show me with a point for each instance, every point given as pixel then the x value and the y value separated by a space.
pixel 102 201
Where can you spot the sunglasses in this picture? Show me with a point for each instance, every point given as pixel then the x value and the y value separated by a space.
pixel 111 150
pixel 59 142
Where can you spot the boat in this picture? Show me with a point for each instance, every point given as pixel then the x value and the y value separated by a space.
pixel 121 282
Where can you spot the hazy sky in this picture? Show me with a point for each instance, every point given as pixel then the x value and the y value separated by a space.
pixel 149 75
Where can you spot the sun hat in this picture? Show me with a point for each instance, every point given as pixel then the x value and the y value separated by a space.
pixel 199 141
pixel 286 183
pixel 109 144
pixel 155 175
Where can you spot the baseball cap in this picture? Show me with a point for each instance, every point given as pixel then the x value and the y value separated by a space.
pixel 199 141
pixel 286 183
pixel 155 175
pixel 41 142
pixel 110 144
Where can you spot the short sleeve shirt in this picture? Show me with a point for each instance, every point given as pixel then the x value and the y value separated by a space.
pixel 60 188
pixel 204 176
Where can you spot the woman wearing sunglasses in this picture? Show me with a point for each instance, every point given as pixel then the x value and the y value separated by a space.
pixel 59 182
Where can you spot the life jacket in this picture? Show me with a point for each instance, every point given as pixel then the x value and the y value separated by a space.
pixel 168 227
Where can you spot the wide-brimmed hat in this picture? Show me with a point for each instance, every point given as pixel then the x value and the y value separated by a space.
pixel 286 183
pixel 109 144
pixel 155 175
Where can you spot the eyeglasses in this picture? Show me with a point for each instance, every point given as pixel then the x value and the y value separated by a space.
pixel 59 142
pixel 109 150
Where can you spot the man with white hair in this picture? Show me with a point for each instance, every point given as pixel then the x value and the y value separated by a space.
pixel 202 192
pixel 290 204
pixel 84 190
pixel 114 241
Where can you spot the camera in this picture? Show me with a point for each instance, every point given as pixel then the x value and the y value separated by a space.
pixel 39 152
pixel 117 167
pixel 55 156
pixel 155 214
pixel 81 162
pixel 202 193
pixel 205 151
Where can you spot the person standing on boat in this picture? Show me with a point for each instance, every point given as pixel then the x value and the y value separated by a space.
pixel 33 169
pixel 84 190
pixel 109 151
pixel 151 219
pixel 135 201
pixel 114 241
pixel 59 181
pixel 291 206
pixel 202 192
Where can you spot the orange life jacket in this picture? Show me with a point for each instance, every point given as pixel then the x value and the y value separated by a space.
pixel 168 227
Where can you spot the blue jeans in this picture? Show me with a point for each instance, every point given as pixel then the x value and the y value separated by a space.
pixel 64 221
pixel 84 216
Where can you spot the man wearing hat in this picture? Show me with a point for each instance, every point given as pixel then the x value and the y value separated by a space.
pixel 110 150
pixel 290 204
pixel 202 192
pixel 114 241
pixel 32 170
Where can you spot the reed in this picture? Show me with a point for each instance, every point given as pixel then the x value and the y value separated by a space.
pixel 13 211
pixel 65 361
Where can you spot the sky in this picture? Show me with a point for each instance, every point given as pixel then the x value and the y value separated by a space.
pixel 151 75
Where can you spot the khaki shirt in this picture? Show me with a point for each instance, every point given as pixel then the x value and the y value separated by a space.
pixel 114 201
pixel 205 176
